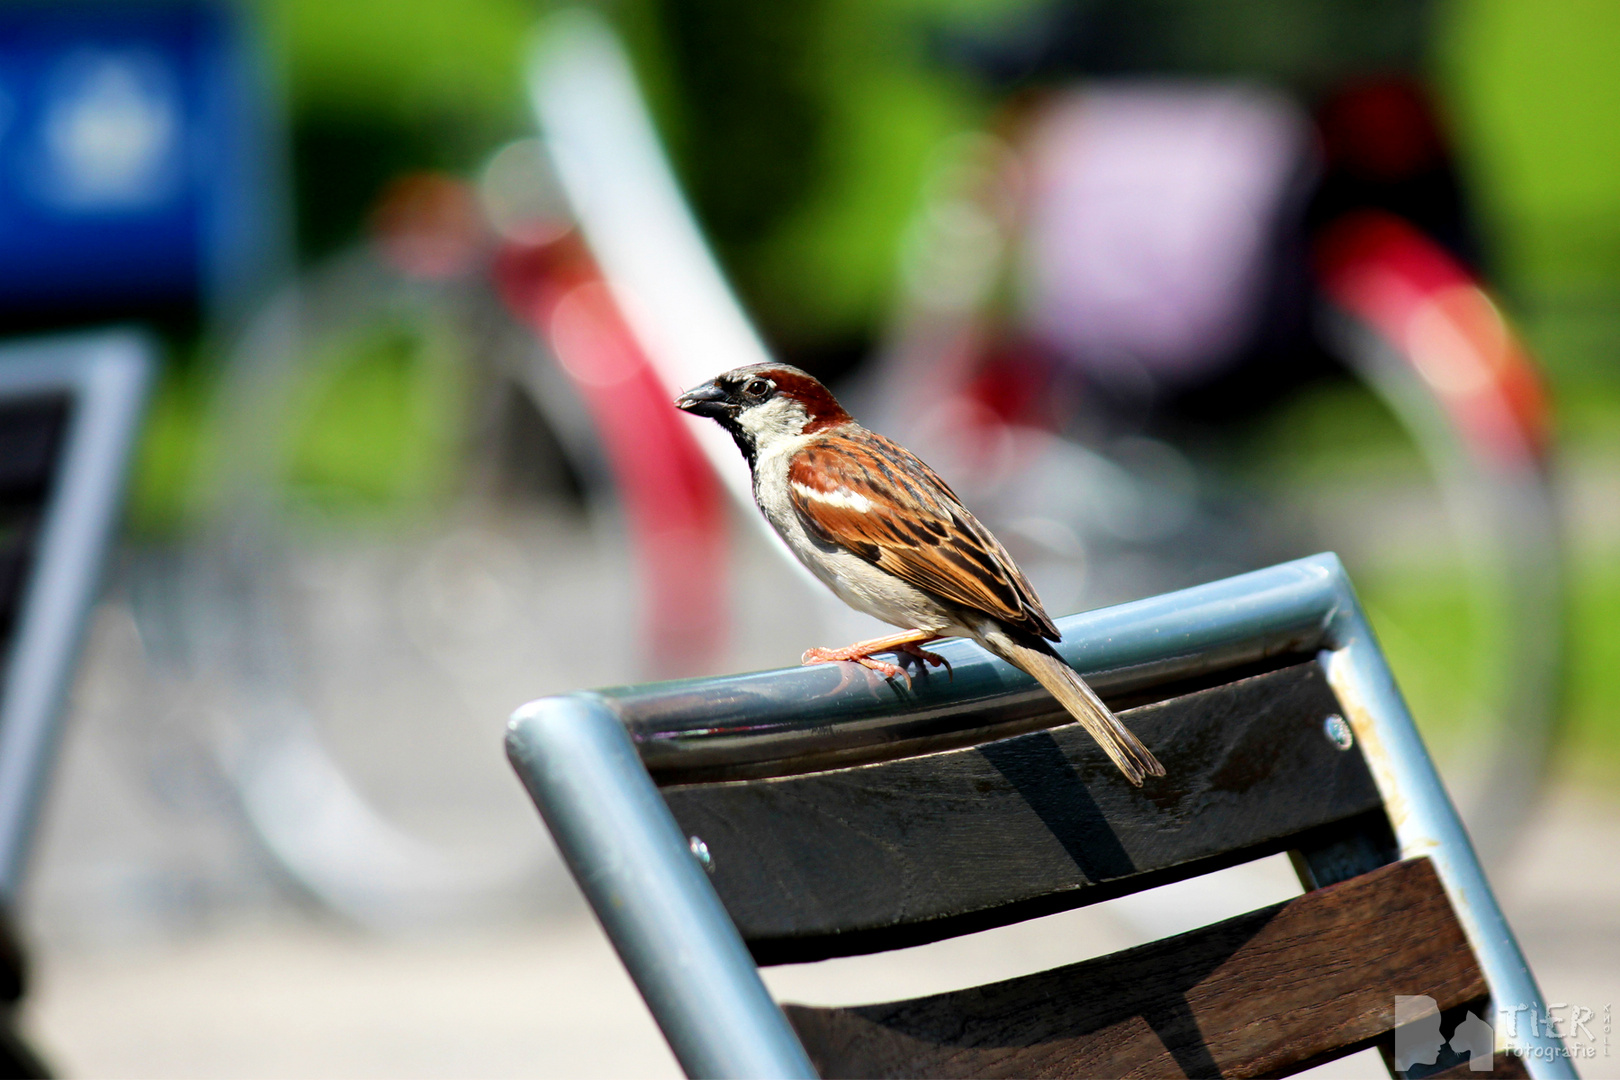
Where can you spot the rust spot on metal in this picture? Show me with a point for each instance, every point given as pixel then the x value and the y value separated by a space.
pixel 1377 755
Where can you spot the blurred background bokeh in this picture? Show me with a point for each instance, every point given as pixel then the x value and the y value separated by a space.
pixel 1169 290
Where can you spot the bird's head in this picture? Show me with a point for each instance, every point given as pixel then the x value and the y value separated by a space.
pixel 764 404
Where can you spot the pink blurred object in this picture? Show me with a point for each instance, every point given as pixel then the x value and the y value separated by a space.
pixel 673 502
pixel 1435 314
pixel 1152 214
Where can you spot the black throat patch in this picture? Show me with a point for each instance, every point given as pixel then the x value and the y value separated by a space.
pixel 744 439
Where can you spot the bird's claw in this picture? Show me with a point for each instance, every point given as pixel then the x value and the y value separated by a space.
pixel 929 658
pixel 882 667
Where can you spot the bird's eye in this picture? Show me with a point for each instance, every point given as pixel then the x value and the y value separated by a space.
pixel 756 388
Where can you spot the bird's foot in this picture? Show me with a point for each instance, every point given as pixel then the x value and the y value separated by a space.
pixel 928 658
pixel 849 653
pixel 861 653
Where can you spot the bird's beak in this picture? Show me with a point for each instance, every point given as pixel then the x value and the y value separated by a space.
pixel 706 400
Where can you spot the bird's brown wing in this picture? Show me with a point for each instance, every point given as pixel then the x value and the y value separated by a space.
pixel 858 490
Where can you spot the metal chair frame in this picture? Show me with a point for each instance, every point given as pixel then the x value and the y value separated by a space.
pixel 589 775
pixel 105 376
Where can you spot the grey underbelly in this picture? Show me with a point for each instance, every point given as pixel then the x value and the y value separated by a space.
pixel 876 592
pixel 852 579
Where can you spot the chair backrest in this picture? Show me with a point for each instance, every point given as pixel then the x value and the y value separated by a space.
pixel 70 410
pixel 834 814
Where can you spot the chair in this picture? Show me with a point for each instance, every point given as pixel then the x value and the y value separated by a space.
pixel 70 411
pixel 786 816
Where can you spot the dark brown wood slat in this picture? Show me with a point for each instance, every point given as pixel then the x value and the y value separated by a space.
pixel 901 852
pixel 1263 994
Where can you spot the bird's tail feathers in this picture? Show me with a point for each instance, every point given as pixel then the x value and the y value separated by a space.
pixel 1065 684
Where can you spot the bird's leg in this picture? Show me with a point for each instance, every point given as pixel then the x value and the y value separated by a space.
pixel 861 653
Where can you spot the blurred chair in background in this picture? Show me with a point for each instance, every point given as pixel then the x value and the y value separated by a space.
pixel 70 412
pixel 132 187
pixel 144 176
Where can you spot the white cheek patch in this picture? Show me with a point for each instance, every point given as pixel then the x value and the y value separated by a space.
pixel 778 418
pixel 843 498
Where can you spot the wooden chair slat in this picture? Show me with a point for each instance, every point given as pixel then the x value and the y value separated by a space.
pixel 1262 994
pixel 901 852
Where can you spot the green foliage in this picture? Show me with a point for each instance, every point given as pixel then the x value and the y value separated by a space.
pixel 162 483
pixel 1534 90
pixel 802 131
pixel 380 87
pixel 1429 627
pixel 1534 95
pixel 832 267
pixel 1593 704
pixel 402 58
pixel 373 430
pixel 1333 431
pixel 377 426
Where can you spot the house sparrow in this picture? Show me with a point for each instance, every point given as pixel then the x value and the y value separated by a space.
pixel 890 538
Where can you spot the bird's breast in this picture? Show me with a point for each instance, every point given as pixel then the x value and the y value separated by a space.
pixel 860 584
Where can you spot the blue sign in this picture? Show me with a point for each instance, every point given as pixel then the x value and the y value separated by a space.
pixel 128 136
